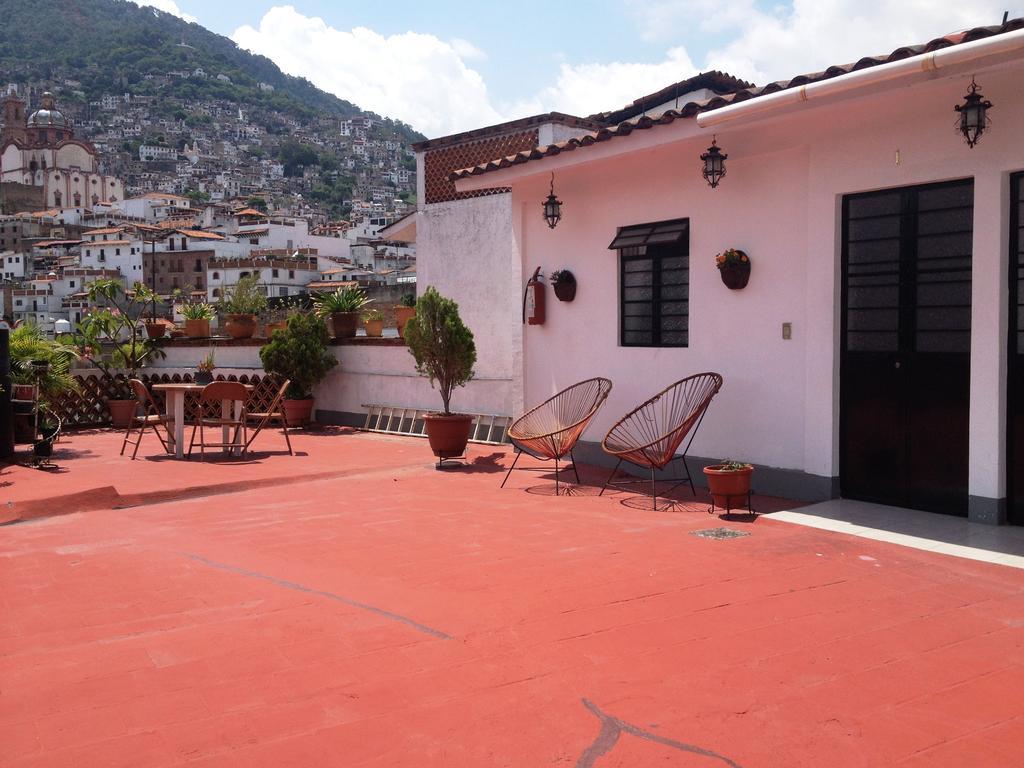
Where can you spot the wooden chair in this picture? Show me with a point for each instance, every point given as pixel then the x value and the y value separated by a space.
pixel 649 435
pixel 221 392
pixel 552 429
pixel 274 413
pixel 150 418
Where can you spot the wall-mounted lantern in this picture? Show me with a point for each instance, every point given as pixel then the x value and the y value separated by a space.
pixel 973 115
pixel 714 164
pixel 552 207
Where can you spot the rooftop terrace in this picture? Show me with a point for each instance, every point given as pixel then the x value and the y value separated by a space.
pixel 353 606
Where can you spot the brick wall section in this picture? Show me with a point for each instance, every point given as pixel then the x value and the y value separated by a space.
pixel 439 163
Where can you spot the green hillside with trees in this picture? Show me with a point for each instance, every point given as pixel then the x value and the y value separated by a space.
pixel 109 46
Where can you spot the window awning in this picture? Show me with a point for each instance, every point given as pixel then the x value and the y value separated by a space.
pixel 656 233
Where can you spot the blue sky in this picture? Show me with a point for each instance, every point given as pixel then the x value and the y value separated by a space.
pixel 445 66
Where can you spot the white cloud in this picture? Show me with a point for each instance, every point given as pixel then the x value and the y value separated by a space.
pixel 427 82
pixel 168 6
pixel 414 77
pixel 807 35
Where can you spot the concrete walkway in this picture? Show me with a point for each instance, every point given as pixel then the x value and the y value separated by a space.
pixel 399 616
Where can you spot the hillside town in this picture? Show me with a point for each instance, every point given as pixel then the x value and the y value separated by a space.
pixel 90 195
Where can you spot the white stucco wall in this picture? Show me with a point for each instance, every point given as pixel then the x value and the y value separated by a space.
pixel 780 203
pixel 467 250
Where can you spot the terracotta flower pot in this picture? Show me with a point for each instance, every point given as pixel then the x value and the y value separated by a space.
pixel 121 413
pixel 402 316
pixel 155 330
pixel 448 435
pixel 374 327
pixel 344 324
pixel 241 326
pixel 23 392
pixel 729 487
pixel 298 413
pixel 197 329
pixel 280 325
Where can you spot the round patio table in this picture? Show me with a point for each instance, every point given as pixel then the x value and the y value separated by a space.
pixel 175 409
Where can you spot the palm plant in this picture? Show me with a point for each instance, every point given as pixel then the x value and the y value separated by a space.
pixel 29 345
pixel 351 299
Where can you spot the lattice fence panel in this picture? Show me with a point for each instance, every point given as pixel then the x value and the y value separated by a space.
pixel 88 406
pixel 439 163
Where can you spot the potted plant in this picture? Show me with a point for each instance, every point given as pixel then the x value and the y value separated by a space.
pixel 242 303
pixel 110 337
pixel 734 267
pixel 373 321
pixel 444 351
pixel 405 310
pixel 342 307
pixel 299 353
pixel 198 315
pixel 284 310
pixel 205 369
pixel 155 329
pixel 729 483
pixel 564 283
pixel 38 361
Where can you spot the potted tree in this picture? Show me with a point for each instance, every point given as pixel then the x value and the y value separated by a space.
pixel 342 307
pixel 198 315
pixel 405 310
pixel 373 322
pixel 299 353
pixel 110 337
pixel 444 351
pixel 242 303
pixel 729 483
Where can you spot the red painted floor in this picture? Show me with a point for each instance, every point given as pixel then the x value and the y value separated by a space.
pixel 390 615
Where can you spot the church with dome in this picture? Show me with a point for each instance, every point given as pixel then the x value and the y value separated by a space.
pixel 40 150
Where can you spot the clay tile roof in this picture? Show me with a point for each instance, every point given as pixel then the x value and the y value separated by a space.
pixel 104 231
pixel 693 108
pixel 199 234
pixel 332 284
pixel 249 212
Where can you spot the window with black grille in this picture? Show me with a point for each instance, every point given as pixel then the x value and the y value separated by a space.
pixel 654 284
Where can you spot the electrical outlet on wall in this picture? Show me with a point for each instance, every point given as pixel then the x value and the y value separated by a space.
pixel 787 331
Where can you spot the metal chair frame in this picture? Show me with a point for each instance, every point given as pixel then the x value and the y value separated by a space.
pixel 658 453
pixel 218 392
pixel 275 411
pixel 557 443
pixel 150 417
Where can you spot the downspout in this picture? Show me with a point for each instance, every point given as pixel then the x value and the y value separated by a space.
pixel 779 101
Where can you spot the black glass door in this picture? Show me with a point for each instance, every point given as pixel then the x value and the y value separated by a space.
pixel 1015 384
pixel 905 354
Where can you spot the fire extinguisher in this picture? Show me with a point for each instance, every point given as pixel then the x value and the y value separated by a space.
pixel 533 300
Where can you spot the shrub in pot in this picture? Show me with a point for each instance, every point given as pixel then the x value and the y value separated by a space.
pixel 242 303
pixel 110 337
pixel 404 311
pixel 445 352
pixel 343 307
pixel 729 483
pixel 373 322
pixel 198 315
pixel 299 353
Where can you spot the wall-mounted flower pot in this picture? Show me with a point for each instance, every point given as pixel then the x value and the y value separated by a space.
pixel 735 273
pixel 565 286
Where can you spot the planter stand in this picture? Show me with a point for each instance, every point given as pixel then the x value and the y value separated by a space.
pixel 729 507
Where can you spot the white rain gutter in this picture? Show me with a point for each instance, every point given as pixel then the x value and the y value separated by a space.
pixel 964 53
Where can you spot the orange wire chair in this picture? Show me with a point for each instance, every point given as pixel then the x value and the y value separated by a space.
pixel 552 429
pixel 649 435
pixel 150 418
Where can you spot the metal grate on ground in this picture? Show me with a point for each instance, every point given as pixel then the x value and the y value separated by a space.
pixel 489 429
